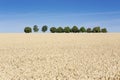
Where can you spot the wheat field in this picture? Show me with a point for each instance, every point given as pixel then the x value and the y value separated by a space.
pixel 73 56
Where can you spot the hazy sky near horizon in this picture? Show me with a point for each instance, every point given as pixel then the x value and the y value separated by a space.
pixel 16 14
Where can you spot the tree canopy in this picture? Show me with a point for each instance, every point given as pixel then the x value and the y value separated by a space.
pixel 75 29
pixel 44 28
pixel 27 29
pixel 52 29
pixel 67 29
pixel 82 29
pixel 35 28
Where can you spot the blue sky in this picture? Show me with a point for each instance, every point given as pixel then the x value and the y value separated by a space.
pixel 16 14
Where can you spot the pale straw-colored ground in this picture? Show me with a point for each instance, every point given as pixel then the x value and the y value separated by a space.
pixel 60 56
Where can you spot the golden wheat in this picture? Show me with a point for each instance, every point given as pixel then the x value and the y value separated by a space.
pixel 72 56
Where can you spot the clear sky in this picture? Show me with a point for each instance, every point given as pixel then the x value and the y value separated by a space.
pixel 16 14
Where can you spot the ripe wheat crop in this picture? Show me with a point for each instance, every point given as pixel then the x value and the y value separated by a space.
pixel 73 56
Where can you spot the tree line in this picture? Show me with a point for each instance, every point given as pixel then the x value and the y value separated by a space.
pixel 67 29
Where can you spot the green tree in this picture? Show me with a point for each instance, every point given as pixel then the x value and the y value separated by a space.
pixel 71 30
pixel 82 29
pixel 104 30
pixel 27 29
pixel 67 29
pixel 75 29
pixel 89 30
pixel 44 28
pixel 60 30
pixel 96 29
pixel 52 29
pixel 35 28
